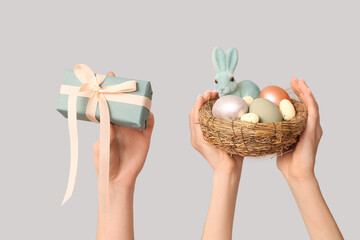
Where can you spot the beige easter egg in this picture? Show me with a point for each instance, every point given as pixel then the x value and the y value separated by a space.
pixel 248 99
pixel 250 117
pixel 287 109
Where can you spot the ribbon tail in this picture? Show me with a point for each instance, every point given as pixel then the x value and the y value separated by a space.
pixel 104 159
pixel 91 109
pixel 72 101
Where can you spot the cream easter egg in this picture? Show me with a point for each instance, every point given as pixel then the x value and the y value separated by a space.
pixel 287 109
pixel 250 117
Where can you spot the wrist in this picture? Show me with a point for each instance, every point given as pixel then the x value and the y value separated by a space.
pixel 227 177
pixel 120 190
pixel 227 172
pixel 303 181
pixel 298 176
pixel 229 166
pixel 116 188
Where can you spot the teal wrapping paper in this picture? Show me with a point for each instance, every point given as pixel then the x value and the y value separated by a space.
pixel 121 114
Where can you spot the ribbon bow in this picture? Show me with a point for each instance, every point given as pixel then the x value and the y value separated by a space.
pixel 91 85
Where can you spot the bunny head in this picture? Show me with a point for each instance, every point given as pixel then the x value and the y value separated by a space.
pixel 225 66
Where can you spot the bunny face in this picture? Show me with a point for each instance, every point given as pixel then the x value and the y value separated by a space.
pixel 225 83
pixel 225 66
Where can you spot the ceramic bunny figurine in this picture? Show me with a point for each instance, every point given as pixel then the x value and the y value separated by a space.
pixel 225 83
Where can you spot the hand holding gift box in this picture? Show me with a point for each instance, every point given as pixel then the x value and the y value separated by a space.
pixel 95 97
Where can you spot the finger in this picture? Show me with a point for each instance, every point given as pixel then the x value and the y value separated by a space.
pixel 112 133
pixel 213 95
pixel 309 95
pixel 150 125
pixel 97 143
pixel 296 89
pixel 311 104
pixel 206 96
pixel 191 123
pixel 309 98
pixel 196 118
pixel 294 85
pixel 191 118
pixel 196 110
pixel 110 74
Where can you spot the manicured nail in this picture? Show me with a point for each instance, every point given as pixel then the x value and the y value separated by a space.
pixel 199 96
pixel 111 74
pixel 301 79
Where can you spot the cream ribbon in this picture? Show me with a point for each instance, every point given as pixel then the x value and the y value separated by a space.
pixel 91 88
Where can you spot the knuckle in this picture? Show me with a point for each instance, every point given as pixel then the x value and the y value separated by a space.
pixel 196 144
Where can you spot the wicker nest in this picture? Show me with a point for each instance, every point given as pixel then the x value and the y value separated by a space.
pixel 253 139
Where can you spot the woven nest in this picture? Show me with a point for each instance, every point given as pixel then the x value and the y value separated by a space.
pixel 253 139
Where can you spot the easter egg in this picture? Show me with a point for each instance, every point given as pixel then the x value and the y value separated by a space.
pixel 250 117
pixel 248 99
pixel 266 110
pixel 229 107
pixel 287 109
pixel 274 94
pixel 248 88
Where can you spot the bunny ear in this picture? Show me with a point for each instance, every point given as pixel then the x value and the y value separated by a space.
pixel 231 59
pixel 219 60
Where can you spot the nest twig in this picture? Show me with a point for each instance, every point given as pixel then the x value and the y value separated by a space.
pixel 253 139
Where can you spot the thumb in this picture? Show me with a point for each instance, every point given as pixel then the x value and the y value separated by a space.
pixel 150 126
pixel 110 74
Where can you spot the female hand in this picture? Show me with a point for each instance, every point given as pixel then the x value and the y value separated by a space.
pixel 227 171
pixel 299 164
pixel 298 169
pixel 219 160
pixel 128 151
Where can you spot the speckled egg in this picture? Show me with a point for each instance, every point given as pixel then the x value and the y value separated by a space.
pixel 266 110
pixel 229 107
pixel 287 109
pixel 250 117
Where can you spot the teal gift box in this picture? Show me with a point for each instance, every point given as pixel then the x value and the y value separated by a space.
pixel 121 113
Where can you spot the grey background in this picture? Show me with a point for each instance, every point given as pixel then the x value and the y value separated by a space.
pixel 169 43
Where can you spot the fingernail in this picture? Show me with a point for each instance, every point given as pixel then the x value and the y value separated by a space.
pixel 214 91
pixel 301 79
pixel 198 96
pixel 294 78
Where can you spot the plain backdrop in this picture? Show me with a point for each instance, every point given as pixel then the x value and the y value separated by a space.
pixel 169 43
